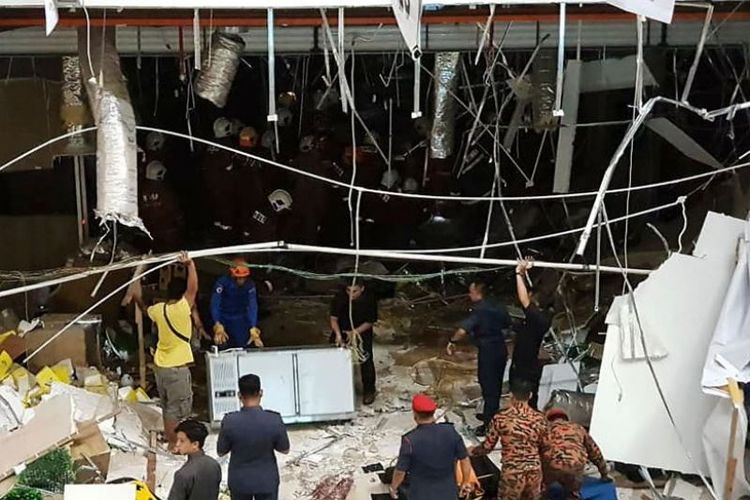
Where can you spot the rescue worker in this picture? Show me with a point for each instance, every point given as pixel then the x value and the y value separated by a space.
pixel 567 450
pixel 485 325
pixel 355 311
pixel 234 308
pixel 429 454
pixel 529 334
pixel 173 351
pixel 522 432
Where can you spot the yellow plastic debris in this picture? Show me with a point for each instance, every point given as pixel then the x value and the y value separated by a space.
pixel 5 363
pixel 62 374
pixel 5 335
pixel 45 377
pixel 137 395
pixel 142 492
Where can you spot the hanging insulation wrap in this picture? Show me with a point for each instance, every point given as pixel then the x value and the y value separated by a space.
pixel 444 119
pixel 544 80
pixel 220 67
pixel 116 149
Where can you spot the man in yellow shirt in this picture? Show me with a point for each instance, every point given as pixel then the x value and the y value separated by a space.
pixel 173 352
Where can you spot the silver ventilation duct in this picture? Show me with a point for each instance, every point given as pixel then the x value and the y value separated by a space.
pixel 544 79
pixel 73 112
pixel 220 67
pixel 116 149
pixel 444 119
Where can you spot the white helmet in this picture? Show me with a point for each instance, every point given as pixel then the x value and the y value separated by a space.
pixel 268 139
pixel 222 128
pixel 280 200
pixel 390 179
pixel 237 126
pixel 154 141
pixel 307 144
pixel 284 117
pixel 156 171
pixel 410 185
pixel 423 127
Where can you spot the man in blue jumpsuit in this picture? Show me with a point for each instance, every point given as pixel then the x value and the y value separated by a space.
pixel 234 309
pixel 428 455
pixel 485 325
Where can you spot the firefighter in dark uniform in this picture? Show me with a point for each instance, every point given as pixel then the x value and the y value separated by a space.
pixel 486 326
pixel 428 455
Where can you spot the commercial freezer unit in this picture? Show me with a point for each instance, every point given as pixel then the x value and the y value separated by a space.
pixel 303 384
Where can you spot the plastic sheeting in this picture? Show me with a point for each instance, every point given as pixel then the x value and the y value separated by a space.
pixel 116 149
pixel 215 81
pixel 443 140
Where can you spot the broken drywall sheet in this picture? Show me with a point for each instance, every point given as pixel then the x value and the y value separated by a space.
pixel 621 317
pixel 612 74
pixel 51 426
pixel 658 10
pixel 567 135
pixel 729 352
pixel 681 301
pixel 716 437
pixel 683 142
pixel 98 491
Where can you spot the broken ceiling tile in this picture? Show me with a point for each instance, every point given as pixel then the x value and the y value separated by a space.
pixel 612 74
pixel 683 142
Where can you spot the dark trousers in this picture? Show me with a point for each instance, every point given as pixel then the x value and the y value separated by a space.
pixel 256 496
pixel 491 368
pixel 368 366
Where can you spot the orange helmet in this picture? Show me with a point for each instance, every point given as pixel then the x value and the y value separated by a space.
pixel 239 269
pixel 248 137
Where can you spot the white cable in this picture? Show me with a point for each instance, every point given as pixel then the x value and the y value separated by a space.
pixel 684 224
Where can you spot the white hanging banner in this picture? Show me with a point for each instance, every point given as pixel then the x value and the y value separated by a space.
pixel 658 10
pixel 408 14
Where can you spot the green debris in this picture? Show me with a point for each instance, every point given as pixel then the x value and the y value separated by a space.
pixel 23 493
pixel 50 472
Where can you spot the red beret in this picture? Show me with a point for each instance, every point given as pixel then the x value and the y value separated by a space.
pixel 423 404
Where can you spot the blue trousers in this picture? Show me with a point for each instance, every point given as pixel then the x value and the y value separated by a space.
pixel 238 329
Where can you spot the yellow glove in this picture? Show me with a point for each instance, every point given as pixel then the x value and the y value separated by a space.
pixel 220 335
pixel 255 336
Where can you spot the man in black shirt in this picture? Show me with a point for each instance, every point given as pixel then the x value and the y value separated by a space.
pixel 485 326
pixel 529 334
pixel 200 477
pixel 354 310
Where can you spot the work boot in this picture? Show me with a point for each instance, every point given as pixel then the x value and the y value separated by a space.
pixel 368 398
pixel 480 431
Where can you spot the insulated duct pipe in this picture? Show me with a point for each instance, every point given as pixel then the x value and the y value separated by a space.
pixel 73 111
pixel 442 139
pixel 220 67
pixel 116 149
pixel 544 81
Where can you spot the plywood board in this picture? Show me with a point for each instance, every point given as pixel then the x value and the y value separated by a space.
pixel 51 426
pixel 680 304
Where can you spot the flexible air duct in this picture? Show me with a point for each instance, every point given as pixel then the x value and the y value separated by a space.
pixel 116 149
pixel 444 120
pixel 73 108
pixel 220 67
pixel 544 80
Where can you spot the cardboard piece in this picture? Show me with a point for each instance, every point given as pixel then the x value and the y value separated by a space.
pixel 90 445
pixel 680 303
pixel 52 426
pixel 98 491
pixel 78 343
